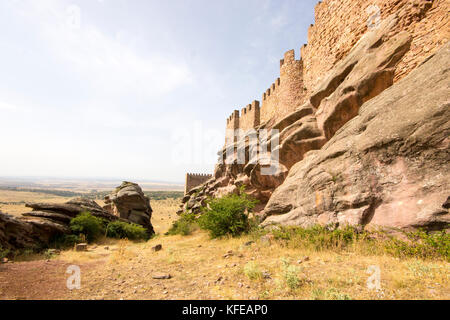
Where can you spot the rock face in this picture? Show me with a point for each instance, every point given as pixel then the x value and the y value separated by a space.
pixel 363 74
pixel 388 166
pixel 361 150
pixel 129 202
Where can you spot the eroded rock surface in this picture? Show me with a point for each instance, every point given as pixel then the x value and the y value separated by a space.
pixel 129 202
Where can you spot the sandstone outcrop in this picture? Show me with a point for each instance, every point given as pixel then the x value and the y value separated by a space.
pixel 388 166
pixel 364 73
pixel 37 228
pixel 129 202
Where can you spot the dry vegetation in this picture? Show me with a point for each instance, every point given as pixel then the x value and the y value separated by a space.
pixel 230 268
pixel 13 202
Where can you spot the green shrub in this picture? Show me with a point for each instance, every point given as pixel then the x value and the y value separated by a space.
pixel 421 245
pixel 86 224
pixel 251 270
pixel 124 230
pixel 227 215
pixel 184 226
pixel 290 274
pixel 4 253
pixel 319 237
pixel 335 294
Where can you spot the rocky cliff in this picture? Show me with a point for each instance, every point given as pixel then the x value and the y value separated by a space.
pixel 369 146
pixel 388 166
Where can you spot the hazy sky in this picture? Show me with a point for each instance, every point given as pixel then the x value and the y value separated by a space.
pixel 133 89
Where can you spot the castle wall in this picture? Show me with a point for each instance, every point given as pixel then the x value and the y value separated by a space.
pixel 250 116
pixel 287 92
pixel 339 24
pixel 194 180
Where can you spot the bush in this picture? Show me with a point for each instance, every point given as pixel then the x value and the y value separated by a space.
pixel 184 226
pixel 318 237
pixel 227 215
pixel 4 252
pixel 251 270
pixel 290 274
pixel 86 224
pixel 123 230
pixel 421 245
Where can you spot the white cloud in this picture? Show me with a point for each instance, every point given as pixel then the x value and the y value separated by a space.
pixel 107 63
pixel 7 106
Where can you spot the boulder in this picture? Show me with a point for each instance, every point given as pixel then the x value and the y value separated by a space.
pixel 129 202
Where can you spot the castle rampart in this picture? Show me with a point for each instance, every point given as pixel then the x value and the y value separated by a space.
pixel 194 180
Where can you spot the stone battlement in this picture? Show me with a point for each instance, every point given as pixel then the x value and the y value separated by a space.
pixel 278 100
pixel 194 180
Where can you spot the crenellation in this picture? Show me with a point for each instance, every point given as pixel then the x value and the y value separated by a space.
pixel 194 180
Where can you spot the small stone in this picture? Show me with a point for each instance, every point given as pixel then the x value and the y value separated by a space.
pixel 81 247
pixel 161 276
pixel 303 260
pixel 157 248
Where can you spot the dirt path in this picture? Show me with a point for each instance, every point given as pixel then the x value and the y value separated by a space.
pixel 36 280
pixel 229 269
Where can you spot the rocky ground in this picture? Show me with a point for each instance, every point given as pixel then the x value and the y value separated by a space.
pixel 201 268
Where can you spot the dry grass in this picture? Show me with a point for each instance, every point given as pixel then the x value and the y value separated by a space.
pixel 261 270
pixel 200 271
pixel 18 199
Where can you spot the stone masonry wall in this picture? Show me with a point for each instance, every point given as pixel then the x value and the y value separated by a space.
pixel 250 116
pixel 287 93
pixel 339 24
pixel 193 180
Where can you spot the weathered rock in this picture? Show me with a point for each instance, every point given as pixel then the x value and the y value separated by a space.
pixel 47 220
pixel 388 166
pixel 161 276
pixel 129 202
pixel 157 248
pixel 81 247
pixel 16 234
